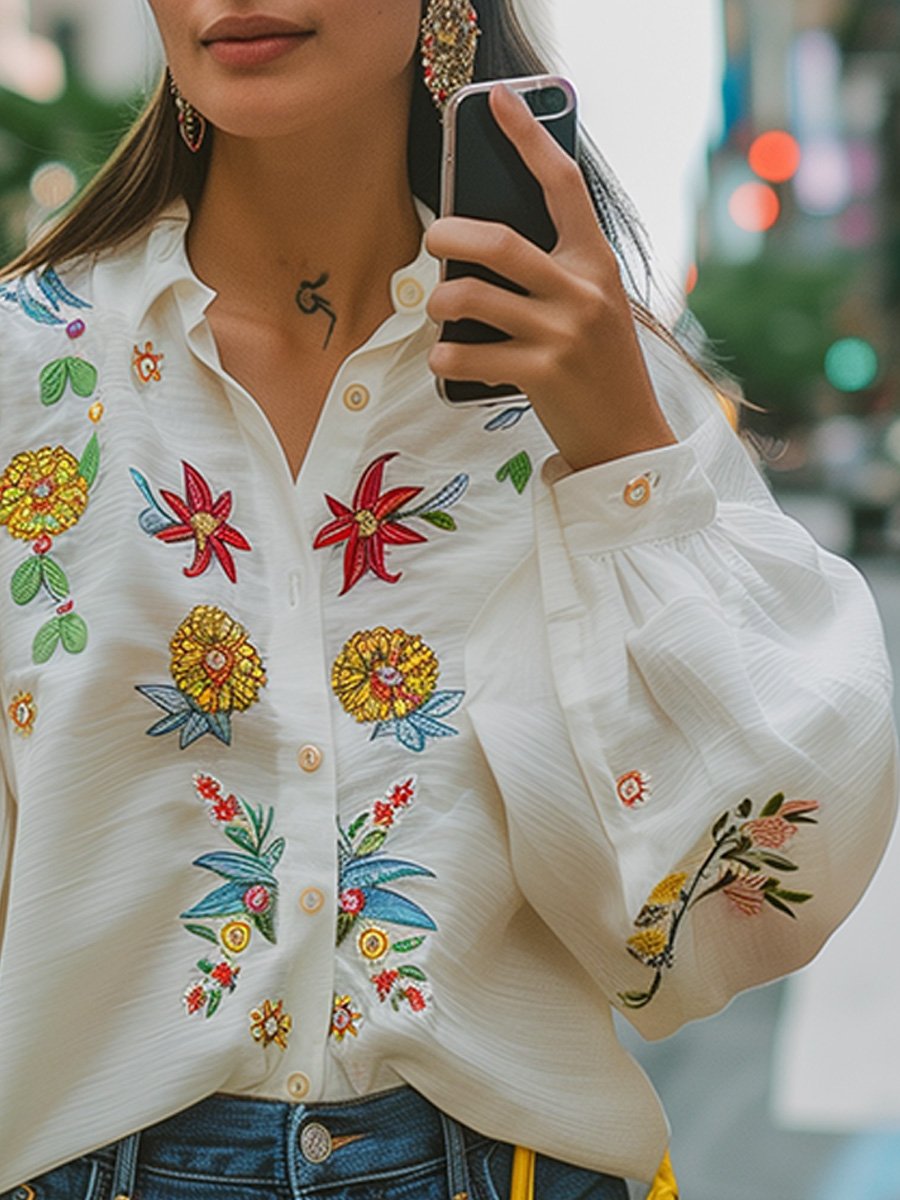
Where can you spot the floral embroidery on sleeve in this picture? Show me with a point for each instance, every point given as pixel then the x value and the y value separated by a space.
pixel 217 671
pixel 197 518
pixel 365 905
pixel 44 493
pixel 739 867
pixel 388 678
pixel 146 364
pixel 374 521
pixel 246 901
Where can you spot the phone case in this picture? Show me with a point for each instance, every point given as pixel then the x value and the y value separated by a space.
pixel 484 177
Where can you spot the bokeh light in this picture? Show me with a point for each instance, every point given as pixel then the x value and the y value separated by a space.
pixel 53 185
pixel 775 156
pixel 754 207
pixel 851 364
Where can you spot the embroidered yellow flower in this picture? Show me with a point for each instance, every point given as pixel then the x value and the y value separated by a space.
pixel 344 1018
pixel 384 675
pixel 668 891
pixel 373 943
pixel 648 944
pixel 235 936
pixel 23 712
pixel 214 662
pixel 270 1023
pixel 42 492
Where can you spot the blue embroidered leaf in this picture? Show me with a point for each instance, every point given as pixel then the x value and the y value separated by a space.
pixel 517 470
pixel 408 971
pixel 384 729
pixel 383 905
pixel 165 696
pixel 371 842
pixel 53 381
pixel 8 293
pixel 441 704
pixel 371 871
pixel 231 865
pixel 226 901
pixel 167 724
pixel 440 520
pixel 203 931
pixel 82 376
pixel 409 735
pixel 195 727
pixel 56 291
pixel 89 464
pixel 73 632
pixel 428 727
pixel 219 725
pixel 507 419
pixel 45 641
pixel 26 580
pixel 34 308
pixel 54 578
pixel 449 494
pixel 407 945
pixel 241 837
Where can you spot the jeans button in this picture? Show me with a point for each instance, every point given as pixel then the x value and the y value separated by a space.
pixel 315 1142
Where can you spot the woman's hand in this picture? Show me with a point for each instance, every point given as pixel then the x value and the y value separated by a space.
pixel 573 347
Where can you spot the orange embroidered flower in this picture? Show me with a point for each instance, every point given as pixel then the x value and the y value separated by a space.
pixel 633 788
pixel 271 1024
pixel 42 492
pixel 344 1018
pixel 747 894
pixel 23 712
pixel 773 833
pixel 214 662
pixel 383 675
pixel 146 363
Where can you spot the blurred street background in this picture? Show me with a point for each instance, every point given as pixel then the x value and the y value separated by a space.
pixel 760 140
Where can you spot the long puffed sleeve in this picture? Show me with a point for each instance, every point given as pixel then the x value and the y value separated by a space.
pixel 698 759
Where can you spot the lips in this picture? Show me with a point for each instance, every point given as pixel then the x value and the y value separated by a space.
pixel 248 28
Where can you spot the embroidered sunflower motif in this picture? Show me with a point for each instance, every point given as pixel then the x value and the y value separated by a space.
pixel 344 1018
pixel 388 677
pixel 270 1023
pixel 42 492
pixel 22 711
pixel 669 889
pixel 650 945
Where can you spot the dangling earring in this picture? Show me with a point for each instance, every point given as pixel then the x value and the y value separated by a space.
pixel 450 35
pixel 191 124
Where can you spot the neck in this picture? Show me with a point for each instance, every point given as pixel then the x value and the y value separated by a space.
pixel 279 215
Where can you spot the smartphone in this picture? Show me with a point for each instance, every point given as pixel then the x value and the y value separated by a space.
pixel 483 176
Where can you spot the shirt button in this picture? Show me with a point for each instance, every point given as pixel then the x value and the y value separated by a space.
pixel 356 397
pixel 309 758
pixel 410 292
pixel 311 901
pixel 298 1085
pixel 637 492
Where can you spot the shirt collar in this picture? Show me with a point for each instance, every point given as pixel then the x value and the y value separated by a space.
pixel 164 265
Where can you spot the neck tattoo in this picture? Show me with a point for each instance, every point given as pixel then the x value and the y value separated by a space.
pixel 310 302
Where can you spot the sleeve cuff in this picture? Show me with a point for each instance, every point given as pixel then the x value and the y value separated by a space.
pixel 651 496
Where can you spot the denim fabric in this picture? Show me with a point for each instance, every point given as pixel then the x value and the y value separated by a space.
pixel 398 1147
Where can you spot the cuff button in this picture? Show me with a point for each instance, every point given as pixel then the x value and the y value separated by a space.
pixel 638 491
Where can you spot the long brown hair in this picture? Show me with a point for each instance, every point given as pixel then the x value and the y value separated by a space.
pixel 152 167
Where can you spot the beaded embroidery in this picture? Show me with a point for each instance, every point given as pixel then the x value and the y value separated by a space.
pixel 197 518
pixel 217 671
pixel 738 866
pixel 373 522
pixel 365 905
pixel 44 493
pixel 344 1019
pixel 248 899
pixel 388 678
pixel 270 1024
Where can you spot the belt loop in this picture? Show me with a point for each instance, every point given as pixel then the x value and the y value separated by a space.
pixel 125 1170
pixel 457 1164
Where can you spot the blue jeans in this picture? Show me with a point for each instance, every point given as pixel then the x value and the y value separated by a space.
pixel 393 1146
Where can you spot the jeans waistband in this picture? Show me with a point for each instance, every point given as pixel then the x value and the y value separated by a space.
pixel 304 1148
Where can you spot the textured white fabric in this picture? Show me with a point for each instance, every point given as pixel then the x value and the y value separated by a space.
pixel 699 638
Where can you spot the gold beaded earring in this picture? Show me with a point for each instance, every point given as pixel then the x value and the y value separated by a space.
pixel 449 42
pixel 191 124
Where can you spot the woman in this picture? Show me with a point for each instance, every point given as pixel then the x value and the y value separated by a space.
pixel 600 727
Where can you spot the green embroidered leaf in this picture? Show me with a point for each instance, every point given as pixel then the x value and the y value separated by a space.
pixel 203 932
pixel 272 856
pixel 54 578
pixel 53 381
pixel 441 520
pixel 345 923
pixel 793 897
pixel 215 999
pixel 745 808
pixel 371 842
pixel 635 999
pixel 719 826
pixel 407 945
pixel 26 580
pixel 45 640
pixel 773 805
pixel 265 923
pixel 83 377
pixel 205 966
pixel 517 470
pixel 771 898
pixel 776 861
pixel 74 633
pixel 90 461
pixel 357 825
pixel 267 825
pixel 241 837
pixel 410 972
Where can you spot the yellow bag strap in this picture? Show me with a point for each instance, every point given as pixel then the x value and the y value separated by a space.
pixel 664 1186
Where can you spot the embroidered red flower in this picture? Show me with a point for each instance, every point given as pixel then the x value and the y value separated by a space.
pixel 369 525
pixel 747 894
pixel 401 793
pixel 352 900
pixel 225 809
pixel 415 999
pixel 257 899
pixel 773 833
pixel 206 522
pixel 225 974
pixel 383 814
pixel 207 787
pixel 195 998
pixel 384 983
